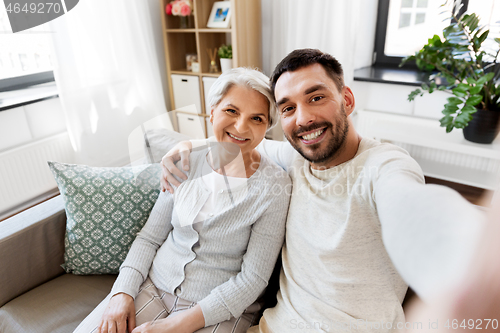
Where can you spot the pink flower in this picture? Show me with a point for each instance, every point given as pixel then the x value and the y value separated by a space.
pixel 179 8
pixel 185 10
pixel 176 8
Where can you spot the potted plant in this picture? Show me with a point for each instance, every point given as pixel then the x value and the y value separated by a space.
pixel 181 8
pixel 225 53
pixel 470 73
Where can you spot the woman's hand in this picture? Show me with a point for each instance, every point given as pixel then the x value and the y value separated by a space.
pixel 187 321
pixel 180 152
pixel 119 315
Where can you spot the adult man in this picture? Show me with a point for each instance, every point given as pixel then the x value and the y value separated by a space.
pixel 361 222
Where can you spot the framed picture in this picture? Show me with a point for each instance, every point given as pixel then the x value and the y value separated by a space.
pixel 220 17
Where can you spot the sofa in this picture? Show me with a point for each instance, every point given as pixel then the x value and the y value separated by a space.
pixel 36 295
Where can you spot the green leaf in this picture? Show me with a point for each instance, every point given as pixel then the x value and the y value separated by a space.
pixel 483 37
pixel 471 80
pixel 406 59
pixel 459 93
pixel 414 94
pixel 449 128
pixel 469 109
pixel 475 90
pixel 483 79
pixel 461 90
pixel 450 79
pixel 454 101
pixel 463 118
pixel 474 100
pixel 446 120
pixel 449 109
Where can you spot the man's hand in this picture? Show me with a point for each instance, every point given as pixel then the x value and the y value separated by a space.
pixel 119 315
pixel 180 152
pixel 475 302
pixel 187 321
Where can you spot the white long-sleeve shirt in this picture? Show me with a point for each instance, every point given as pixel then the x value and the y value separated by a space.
pixel 358 233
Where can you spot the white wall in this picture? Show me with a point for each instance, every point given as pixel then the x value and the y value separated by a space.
pixel 393 98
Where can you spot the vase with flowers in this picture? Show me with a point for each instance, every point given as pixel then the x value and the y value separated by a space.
pixel 181 8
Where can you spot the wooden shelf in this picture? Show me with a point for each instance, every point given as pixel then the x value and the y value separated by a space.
pixel 211 74
pixel 179 30
pixel 185 72
pixel 203 30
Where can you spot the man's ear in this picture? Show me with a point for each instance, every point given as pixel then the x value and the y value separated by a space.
pixel 212 115
pixel 349 101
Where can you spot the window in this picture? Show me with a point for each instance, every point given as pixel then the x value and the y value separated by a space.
pixel 403 26
pixel 25 57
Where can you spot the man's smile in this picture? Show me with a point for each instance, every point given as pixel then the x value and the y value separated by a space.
pixel 313 136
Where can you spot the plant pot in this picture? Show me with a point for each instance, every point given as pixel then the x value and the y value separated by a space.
pixel 226 64
pixel 483 128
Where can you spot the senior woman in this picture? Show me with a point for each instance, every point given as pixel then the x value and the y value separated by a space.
pixel 207 252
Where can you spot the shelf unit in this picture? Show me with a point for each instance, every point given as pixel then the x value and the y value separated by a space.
pixel 244 35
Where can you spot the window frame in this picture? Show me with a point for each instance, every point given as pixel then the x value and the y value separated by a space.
pixel 25 81
pixel 380 58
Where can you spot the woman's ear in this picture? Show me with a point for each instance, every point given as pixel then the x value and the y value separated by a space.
pixel 212 115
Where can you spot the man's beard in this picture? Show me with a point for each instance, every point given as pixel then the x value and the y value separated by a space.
pixel 334 145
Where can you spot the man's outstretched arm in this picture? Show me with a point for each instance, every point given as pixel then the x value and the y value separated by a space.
pixel 429 231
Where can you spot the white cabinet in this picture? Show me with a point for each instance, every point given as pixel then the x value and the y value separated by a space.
pixel 207 83
pixel 186 91
pixel 191 125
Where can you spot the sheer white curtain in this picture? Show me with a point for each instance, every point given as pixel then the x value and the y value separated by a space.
pixel 108 75
pixel 343 28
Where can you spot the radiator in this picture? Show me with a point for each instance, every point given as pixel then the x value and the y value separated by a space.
pixel 25 177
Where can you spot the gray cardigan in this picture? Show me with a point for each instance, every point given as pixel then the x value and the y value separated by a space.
pixel 237 248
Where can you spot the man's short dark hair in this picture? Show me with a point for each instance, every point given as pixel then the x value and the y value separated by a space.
pixel 305 57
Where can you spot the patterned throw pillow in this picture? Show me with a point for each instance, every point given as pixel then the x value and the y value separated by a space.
pixel 105 209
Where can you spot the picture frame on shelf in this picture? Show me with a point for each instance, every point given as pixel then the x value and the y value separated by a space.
pixel 220 16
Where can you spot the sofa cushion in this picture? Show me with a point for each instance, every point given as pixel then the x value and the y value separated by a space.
pixel 57 306
pixel 159 141
pixel 105 209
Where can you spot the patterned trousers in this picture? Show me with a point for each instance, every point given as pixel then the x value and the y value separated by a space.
pixel 152 304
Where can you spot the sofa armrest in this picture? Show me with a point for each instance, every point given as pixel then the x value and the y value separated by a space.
pixel 32 248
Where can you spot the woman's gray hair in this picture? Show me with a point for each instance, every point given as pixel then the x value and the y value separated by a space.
pixel 246 77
